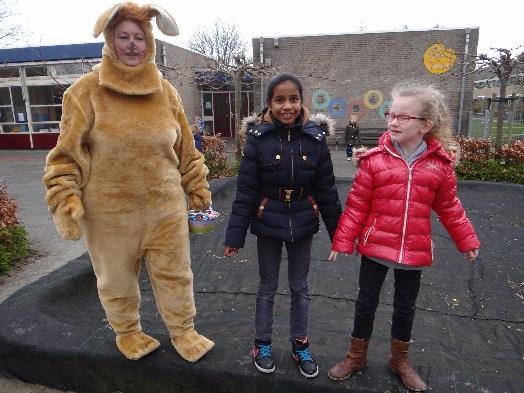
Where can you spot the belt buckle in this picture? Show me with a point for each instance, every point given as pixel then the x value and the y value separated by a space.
pixel 288 192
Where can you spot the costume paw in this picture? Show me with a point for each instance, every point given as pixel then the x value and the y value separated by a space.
pixel 71 206
pixel 200 200
pixel 136 345
pixel 67 228
pixel 192 346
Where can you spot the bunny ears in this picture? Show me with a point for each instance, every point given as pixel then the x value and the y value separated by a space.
pixel 164 20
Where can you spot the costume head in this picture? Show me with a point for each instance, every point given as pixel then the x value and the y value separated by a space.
pixel 144 78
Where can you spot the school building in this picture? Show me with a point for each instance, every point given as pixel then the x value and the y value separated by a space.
pixel 343 75
pixel 34 79
pixel 352 74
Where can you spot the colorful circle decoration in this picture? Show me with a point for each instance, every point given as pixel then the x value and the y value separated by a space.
pixel 338 108
pixel 321 99
pixel 384 107
pixel 373 99
pixel 438 59
pixel 358 108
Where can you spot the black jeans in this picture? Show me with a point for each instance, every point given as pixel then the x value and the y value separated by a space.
pixel 349 150
pixel 370 280
pixel 269 256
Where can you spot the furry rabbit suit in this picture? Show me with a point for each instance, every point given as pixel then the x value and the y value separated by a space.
pixel 119 175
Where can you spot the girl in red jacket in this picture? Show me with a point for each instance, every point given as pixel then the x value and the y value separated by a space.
pixel 388 210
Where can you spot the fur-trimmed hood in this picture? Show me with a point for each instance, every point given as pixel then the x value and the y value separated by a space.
pixel 317 126
pixel 115 75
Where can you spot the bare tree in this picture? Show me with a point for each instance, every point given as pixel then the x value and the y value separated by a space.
pixel 222 42
pixel 227 53
pixel 503 63
pixel 9 29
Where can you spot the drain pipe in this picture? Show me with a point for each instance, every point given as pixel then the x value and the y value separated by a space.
pixel 261 49
pixel 164 55
pixel 463 81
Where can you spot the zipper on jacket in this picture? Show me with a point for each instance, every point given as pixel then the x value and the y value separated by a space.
pixel 292 167
pixel 368 232
pixel 405 220
pixel 410 179
pixel 292 181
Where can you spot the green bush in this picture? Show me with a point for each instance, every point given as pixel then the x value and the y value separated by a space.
pixel 233 168
pixel 13 236
pixel 13 246
pixel 491 170
pixel 480 161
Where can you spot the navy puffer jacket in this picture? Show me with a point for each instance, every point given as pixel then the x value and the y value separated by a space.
pixel 279 158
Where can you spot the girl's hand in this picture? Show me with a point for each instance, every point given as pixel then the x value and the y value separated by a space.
pixel 472 254
pixel 230 251
pixel 332 256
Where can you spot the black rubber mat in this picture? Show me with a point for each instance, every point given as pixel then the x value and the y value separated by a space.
pixel 469 325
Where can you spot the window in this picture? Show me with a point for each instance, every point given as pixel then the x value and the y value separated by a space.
pixel 13 116
pixel 46 107
pixel 480 84
pixel 5 96
pixel 46 95
pixel 6 111
pixel 73 68
pixel 207 102
pixel 9 72
pixel 36 71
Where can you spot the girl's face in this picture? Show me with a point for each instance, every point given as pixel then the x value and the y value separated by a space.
pixel 286 103
pixel 130 43
pixel 406 130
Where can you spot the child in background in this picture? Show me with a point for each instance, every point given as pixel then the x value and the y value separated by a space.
pixel 197 135
pixel 351 136
pixel 389 211
pixel 285 182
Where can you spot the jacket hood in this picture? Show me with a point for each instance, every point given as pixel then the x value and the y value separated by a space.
pixel 317 125
pixel 113 74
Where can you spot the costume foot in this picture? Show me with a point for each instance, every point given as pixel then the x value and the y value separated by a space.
pixel 191 345
pixel 136 345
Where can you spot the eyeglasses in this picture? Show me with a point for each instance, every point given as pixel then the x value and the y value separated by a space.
pixel 402 119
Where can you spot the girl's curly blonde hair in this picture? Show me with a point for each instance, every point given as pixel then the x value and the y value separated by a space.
pixel 434 108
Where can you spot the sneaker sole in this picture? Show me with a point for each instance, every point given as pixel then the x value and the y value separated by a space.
pixel 308 375
pixel 266 370
pixel 302 372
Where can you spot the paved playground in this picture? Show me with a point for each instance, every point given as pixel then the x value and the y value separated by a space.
pixel 469 329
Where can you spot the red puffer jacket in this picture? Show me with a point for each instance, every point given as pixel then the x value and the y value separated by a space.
pixel 389 206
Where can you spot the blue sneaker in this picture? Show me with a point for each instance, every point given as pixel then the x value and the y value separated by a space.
pixel 306 364
pixel 263 357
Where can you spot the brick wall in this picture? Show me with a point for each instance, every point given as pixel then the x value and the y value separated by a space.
pixel 180 71
pixel 348 66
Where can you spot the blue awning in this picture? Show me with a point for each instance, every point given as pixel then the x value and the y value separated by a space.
pixel 51 53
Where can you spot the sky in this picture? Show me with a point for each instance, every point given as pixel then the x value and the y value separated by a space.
pixel 54 22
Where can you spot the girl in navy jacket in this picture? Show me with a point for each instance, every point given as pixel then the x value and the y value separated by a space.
pixel 285 182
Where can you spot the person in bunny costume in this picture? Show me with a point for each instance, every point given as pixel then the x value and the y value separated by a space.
pixel 123 174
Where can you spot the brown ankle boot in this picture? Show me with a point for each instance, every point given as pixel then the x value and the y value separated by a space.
pixel 399 364
pixel 356 360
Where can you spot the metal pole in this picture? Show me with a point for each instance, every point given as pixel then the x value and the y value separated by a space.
pixel 25 97
pixel 511 116
pixel 470 123
pixel 463 81
pixel 487 123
